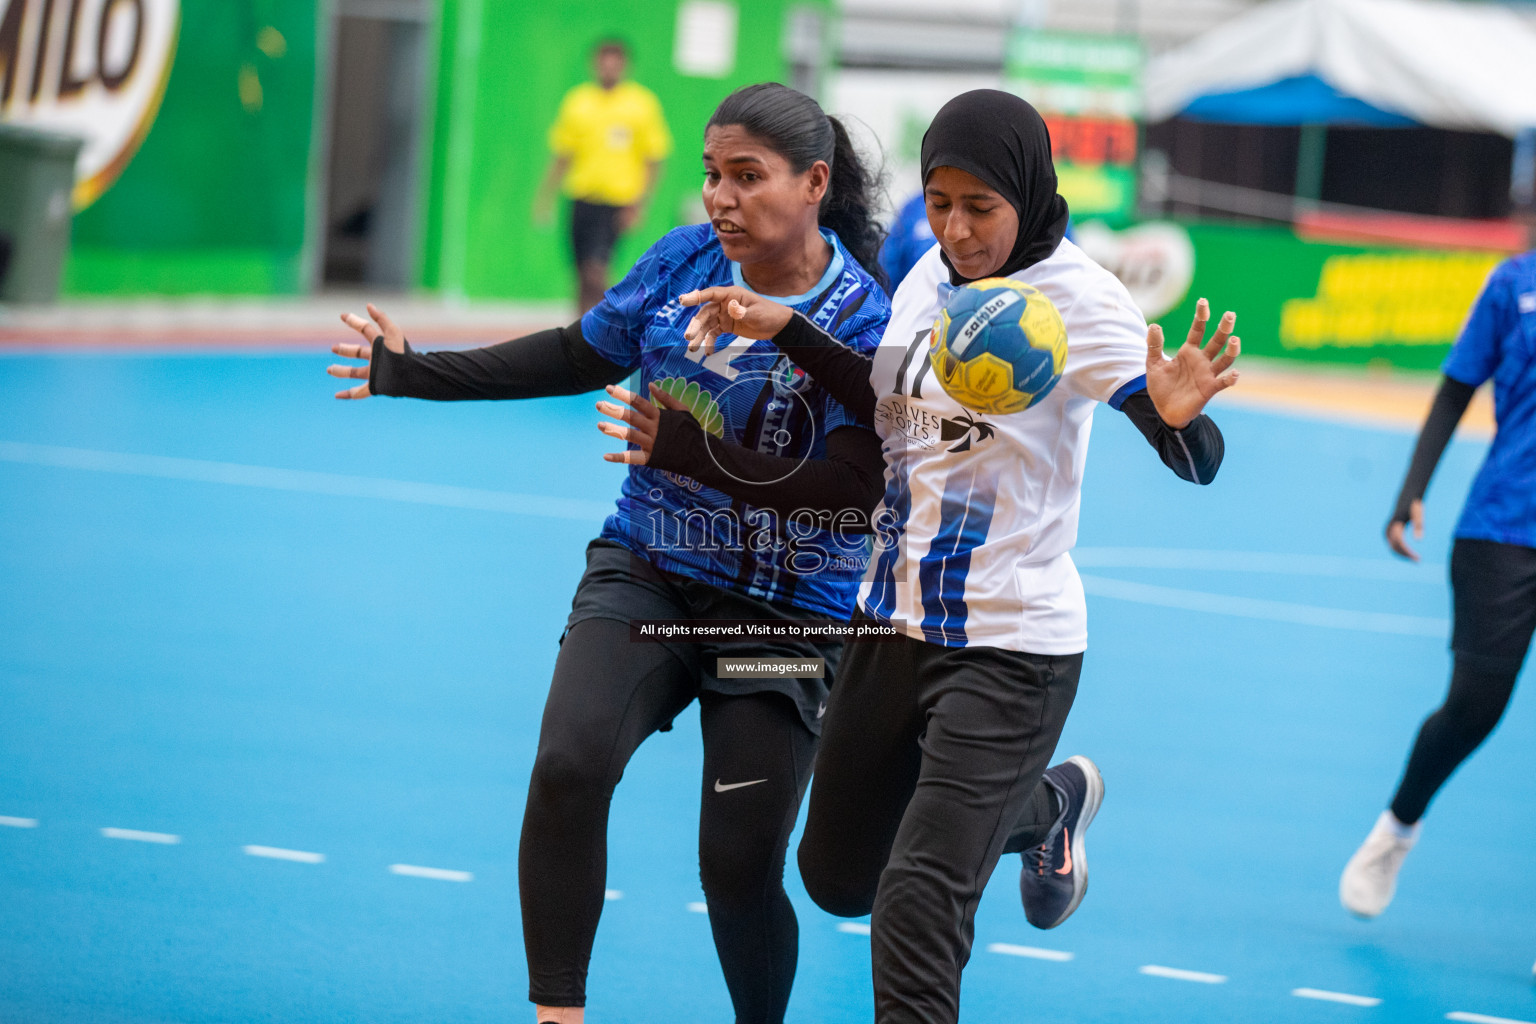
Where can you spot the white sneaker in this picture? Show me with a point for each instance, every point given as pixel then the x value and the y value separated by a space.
pixel 1370 877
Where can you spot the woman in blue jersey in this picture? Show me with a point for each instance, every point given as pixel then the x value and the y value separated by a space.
pixel 934 754
pixel 790 217
pixel 1493 566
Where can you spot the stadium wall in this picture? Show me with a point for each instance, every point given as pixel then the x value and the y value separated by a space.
pixel 215 198
pixel 221 197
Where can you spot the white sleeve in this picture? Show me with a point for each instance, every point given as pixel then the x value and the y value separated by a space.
pixel 1106 341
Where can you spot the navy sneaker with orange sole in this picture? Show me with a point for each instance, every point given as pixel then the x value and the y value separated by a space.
pixel 1055 875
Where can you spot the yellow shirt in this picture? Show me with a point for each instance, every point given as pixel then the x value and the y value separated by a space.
pixel 609 135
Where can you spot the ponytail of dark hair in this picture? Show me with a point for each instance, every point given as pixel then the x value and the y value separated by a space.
pixel 794 126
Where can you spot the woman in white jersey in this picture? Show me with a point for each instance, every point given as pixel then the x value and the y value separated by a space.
pixel 935 746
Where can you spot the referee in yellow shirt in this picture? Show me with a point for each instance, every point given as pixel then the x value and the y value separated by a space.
pixel 608 142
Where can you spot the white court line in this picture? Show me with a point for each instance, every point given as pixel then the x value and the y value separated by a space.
pixel 278 853
pixel 1272 611
pixel 1335 997
pixel 441 874
pixel 853 928
pixel 10 822
pixel 142 837
pixel 612 894
pixel 1482 1018
pixel 698 908
pixel 1032 952
pixel 303 481
pixel 1179 974
pixel 1330 566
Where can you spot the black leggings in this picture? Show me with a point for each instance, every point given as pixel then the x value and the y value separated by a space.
pixel 1494 586
pixel 929 771
pixel 608 695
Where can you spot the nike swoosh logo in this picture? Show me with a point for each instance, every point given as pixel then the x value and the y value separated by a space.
pixel 1066 841
pixel 721 787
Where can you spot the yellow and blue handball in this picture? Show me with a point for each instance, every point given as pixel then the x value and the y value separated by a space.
pixel 998 346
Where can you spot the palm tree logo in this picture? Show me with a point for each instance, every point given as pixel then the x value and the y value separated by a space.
pixel 964 431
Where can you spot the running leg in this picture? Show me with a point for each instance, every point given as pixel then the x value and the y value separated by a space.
pixel 757 761
pixel 993 721
pixel 608 695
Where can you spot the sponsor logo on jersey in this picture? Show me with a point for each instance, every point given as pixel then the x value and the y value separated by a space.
pixel 925 429
pixel 964 432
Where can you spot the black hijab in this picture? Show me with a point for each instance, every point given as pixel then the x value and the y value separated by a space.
pixel 1001 139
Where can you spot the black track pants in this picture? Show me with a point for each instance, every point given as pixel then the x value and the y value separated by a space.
pixel 608 695
pixel 1494 586
pixel 929 770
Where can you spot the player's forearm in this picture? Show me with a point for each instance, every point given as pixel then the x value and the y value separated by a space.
pixel 1445 413
pixel 842 488
pixel 554 175
pixel 838 369
pixel 1194 452
pixel 553 362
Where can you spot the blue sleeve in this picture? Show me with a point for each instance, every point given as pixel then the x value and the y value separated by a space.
pixel 615 327
pixel 1126 390
pixel 1475 355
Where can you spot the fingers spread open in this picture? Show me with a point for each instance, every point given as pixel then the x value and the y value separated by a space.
pixel 622 433
pixel 352 372
pixel 361 391
pixel 361 326
pixel 1197 328
pixel 1220 363
pixel 1223 331
pixel 381 318
pixel 1154 344
pixel 665 400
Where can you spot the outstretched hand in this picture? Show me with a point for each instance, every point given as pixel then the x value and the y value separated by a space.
pixel 1397 531
pixel 1180 386
pixel 394 340
pixel 642 422
pixel 732 310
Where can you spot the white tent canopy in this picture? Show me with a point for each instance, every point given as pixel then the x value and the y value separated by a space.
pixel 1467 66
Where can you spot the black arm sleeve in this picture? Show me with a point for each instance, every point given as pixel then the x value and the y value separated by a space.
pixel 1194 453
pixel 846 484
pixel 553 362
pixel 841 371
pixel 1450 405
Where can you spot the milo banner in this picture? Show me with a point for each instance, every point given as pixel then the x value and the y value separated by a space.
pixel 95 69
pixel 1088 89
pixel 1295 298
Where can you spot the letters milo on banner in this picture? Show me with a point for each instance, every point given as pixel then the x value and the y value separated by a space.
pixel 91 68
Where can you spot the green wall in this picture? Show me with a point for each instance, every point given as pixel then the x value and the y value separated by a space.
pixel 505 68
pixel 1332 303
pixel 215 200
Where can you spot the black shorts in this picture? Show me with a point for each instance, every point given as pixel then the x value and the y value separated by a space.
pixel 594 231
pixel 622 586
pixel 1494 590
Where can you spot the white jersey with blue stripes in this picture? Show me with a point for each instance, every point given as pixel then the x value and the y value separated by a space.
pixel 980 511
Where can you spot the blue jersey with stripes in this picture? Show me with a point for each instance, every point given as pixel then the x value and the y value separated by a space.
pixel 748 393
pixel 980 510
pixel 1499 342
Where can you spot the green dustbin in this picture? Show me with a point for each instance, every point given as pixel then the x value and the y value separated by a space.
pixel 37 177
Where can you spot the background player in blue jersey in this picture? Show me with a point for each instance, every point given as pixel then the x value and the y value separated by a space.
pixel 1493 565
pixel 935 751
pixel 790 217
pixel 910 236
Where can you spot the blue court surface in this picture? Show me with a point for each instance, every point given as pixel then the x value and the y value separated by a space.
pixel 271 669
